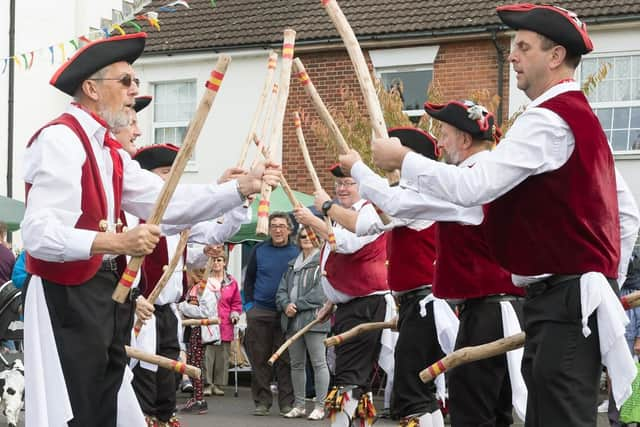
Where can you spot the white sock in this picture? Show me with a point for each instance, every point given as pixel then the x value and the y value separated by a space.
pixel 432 419
pixel 344 417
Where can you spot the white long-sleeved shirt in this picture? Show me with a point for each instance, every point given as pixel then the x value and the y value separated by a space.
pixel 406 206
pixel 539 141
pixel 53 167
pixel 346 243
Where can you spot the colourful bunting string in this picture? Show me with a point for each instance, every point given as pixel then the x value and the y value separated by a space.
pixel 151 17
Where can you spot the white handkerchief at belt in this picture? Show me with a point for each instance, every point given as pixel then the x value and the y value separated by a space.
pixel 446 330
pixel 511 326
pixel 145 341
pixel 46 397
pixel 596 295
pixel 129 411
pixel 388 338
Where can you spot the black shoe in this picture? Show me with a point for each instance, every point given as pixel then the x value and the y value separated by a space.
pixel 186 386
pixel 195 406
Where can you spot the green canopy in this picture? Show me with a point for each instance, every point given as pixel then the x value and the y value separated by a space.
pixel 279 202
pixel 11 212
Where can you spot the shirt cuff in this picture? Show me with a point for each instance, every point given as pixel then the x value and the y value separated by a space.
pixel 359 171
pixel 230 187
pixel 78 244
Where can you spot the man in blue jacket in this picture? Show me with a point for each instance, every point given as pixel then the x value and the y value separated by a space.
pixel 267 263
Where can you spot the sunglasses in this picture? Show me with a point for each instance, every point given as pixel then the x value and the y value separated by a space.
pixel 125 80
pixel 303 236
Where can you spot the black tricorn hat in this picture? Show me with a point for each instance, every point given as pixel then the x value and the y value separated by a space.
pixel 95 56
pixel 558 24
pixel 418 140
pixel 468 117
pixel 337 171
pixel 142 102
pixel 156 156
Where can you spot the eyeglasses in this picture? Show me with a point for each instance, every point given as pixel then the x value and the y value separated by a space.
pixel 345 184
pixel 279 226
pixel 125 80
pixel 303 236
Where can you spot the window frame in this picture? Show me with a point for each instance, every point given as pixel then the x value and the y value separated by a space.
pixel 615 104
pixel 192 165
pixel 407 68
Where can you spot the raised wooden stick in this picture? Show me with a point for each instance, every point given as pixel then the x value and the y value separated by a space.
pixel 186 149
pixel 275 356
pixel 268 83
pixel 314 176
pixel 360 329
pixel 163 362
pixel 471 354
pixel 262 227
pixel 362 73
pixel 296 204
pixel 324 114
pixel 201 322
pixel 166 275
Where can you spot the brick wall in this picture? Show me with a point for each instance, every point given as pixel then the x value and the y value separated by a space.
pixel 460 68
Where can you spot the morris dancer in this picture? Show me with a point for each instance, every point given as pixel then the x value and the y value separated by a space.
pixel 554 154
pixel 355 278
pixel 156 388
pixel 77 180
pixel 489 305
pixel 427 326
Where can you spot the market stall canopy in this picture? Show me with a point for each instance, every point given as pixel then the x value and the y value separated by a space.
pixel 11 212
pixel 279 202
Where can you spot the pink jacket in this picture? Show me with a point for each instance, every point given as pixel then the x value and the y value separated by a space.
pixel 228 302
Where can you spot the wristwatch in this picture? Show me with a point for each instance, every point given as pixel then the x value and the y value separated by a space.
pixel 326 206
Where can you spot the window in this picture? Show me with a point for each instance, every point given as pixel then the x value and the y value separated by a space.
pixel 174 104
pixel 412 83
pixel 616 100
pixel 409 69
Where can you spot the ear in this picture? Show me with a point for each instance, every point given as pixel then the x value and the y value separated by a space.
pixel 558 55
pixel 90 89
pixel 468 140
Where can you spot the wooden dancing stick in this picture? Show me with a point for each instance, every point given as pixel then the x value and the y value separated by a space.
pixel 324 114
pixel 213 85
pixel 166 275
pixel 494 348
pixel 314 176
pixel 275 356
pixel 471 354
pixel 362 72
pixel 201 322
pixel 262 226
pixel 296 204
pixel 360 329
pixel 268 83
pixel 163 362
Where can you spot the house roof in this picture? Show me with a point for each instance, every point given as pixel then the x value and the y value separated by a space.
pixel 259 23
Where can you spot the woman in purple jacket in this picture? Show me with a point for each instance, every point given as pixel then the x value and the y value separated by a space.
pixel 216 362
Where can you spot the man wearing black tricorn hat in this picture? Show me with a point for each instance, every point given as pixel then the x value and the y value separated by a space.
pixel 77 181
pixel 554 220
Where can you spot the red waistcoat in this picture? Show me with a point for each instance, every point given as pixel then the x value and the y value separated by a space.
pixel 153 267
pixel 464 267
pixel 360 273
pixel 93 206
pixel 411 255
pixel 564 221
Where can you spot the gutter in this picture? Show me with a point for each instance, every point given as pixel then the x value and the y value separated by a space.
pixel 500 56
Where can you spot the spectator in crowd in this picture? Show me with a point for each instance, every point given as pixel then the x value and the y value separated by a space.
pixel 19 274
pixel 225 288
pixel 299 298
pixel 267 263
pixel 632 284
pixel 7 258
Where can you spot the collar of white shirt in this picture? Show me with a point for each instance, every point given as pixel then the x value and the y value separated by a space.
pixel 554 91
pixel 88 123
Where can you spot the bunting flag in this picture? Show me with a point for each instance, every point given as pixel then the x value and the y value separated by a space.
pixel 26 59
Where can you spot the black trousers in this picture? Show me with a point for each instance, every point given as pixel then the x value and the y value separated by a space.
pixel 263 337
pixel 87 327
pixel 480 392
pixel 355 358
pixel 416 348
pixel 156 391
pixel 560 366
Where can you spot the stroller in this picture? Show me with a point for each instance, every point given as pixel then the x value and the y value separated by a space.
pixel 11 327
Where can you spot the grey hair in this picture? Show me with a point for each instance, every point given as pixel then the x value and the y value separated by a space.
pixel 282 215
pixel 97 75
